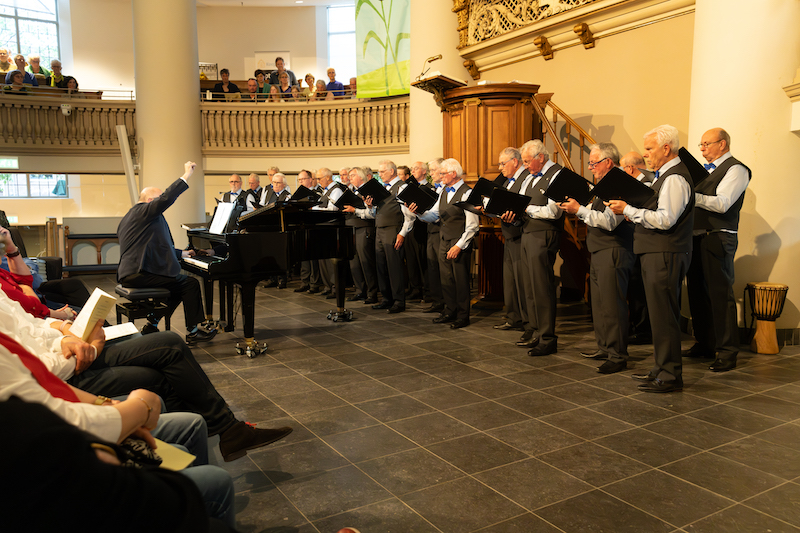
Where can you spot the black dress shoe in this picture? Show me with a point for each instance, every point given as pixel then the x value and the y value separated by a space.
pixel 326 292
pixel 460 323
pixel 443 319
pixel 314 290
pixel 698 350
pixel 508 326
pixel 396 308
pixel 526 335
pixel 414 295
pixel 527 340
pixel 357 297
pixel 281 284
pixel 433 309
pixel 662 386
pixel 722 365
pixel 597 354
pixel 236 440
pixel 302 288
pixel 331 296
pixel 149 328
pixel 370 301
pixel 640 338
pixel 538 351
pixel 610 367
pixel 643 377
pixel 200 336
pixel 386 304
pixel 271 283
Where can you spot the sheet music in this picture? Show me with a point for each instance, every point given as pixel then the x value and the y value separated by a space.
pixel 221 218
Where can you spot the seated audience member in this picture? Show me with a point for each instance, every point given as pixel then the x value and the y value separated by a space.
pixel 16 86
pixel 36 69
pixel 334 86
pixel 148 257
pixel 161 362
pixel 56 79
pixel 224 87
pixel 309 91
pixel 139 416
pixel 5 64
pixel 353 87
pixel 72 86
pixel 296 96
pixel 261 79
pixel 275 76
pixel 48 454
pixel 274 94
pixel 252 92
pixel 19 61
pixel 284 87
pixel 322 93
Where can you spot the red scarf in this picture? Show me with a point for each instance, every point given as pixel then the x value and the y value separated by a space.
pixel 49 381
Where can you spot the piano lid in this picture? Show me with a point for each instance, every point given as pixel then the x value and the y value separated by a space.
pixel 290 213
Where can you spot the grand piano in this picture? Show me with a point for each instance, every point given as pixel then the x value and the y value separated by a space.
pixel 268 242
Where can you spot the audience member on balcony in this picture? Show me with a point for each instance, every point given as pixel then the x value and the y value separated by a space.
pixel 30 79
pixel 261 79
pixel 274 94
pixel 353 87
pixel 252 95
pixel 72 87
pixel 275 75
pixel 296 96
pixel 57 79
pixel 284 87
pixel 335 86
pixel 16 86
pixel 321 93
pixel 5 65
pixel 36 69
pixel 309 91
pixel 224 87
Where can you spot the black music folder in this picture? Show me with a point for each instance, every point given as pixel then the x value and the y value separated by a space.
pixel 569 184
pixel 618 185
pixel 502 200
pixel 304 193
pixel 422 196
pixel 376 189
pixel 348 197
pixel 696 169
pixel 483 187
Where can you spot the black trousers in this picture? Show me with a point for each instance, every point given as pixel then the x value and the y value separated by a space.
pixel 390 265
pixel 455 280
pixel 182 289
pixel 309 273
pixel 161 363
pixel 433 276
pixel 539 249
pixel 712 303
pixel 513 282
pixel 416 261
pixel 362 265
pixel 608 277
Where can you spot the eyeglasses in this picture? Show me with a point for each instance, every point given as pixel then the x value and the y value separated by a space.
pixel 706 145
pixel 501 164
pixel 592 165
pixel 234 181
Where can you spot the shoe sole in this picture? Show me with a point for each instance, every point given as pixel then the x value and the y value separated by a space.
pixel 241 453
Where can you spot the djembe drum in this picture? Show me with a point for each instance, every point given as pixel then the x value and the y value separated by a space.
pixel 766 304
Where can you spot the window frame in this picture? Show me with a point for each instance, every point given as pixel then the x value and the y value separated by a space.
pixel 17 17
pixel 28 195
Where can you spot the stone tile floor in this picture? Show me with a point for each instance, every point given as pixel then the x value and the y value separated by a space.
pixel 401 425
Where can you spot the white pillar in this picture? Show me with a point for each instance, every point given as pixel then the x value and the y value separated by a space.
pixel 168 103
pixel 744 54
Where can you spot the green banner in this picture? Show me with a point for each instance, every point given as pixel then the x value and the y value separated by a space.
pixel 383 47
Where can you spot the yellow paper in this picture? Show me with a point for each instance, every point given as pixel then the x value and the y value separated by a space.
pixel 173 458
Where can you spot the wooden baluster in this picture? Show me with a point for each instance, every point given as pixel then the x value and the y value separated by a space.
pixel 211 116
pixel 104 117
pixel 18 126
pixel 37 125
pixel 291 130
pixel 368 112
pixel 395 123
pixel 88 119
pixel 28 126
pixel 225 117
pixel 582 141
pixel 360 126
pixel 80 117
pixel 404 124
pixel 46 127
pixel 568 141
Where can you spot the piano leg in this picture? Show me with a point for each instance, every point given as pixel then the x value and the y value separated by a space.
pixel 340 314
pixel 251 347
pixel 208 292
pixel 226 304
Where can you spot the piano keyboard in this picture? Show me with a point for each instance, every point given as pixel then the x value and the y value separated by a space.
pixel 201 262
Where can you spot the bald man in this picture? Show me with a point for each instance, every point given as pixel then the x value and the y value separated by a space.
pixel 149 259
pixel 633 163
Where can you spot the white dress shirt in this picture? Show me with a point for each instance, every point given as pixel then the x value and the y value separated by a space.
pixel 335 194
pixel 672 200
pixel 729 190
pixel 472 222
pixel 548 211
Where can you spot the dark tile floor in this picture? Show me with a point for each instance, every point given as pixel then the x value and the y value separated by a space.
pixel 401 425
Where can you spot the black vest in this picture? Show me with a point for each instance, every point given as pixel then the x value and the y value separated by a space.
pixel 509 230
pixel 453 218
pixel 600 239
pixel 538 198
pixel 708 220
pixel 355 221
pixel 678 238
pixel 388 212
pixel 434 227
pixel 325 199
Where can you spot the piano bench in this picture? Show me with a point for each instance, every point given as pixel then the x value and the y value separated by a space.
pixel 143 302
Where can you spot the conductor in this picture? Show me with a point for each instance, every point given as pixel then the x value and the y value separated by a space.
pixel 148 257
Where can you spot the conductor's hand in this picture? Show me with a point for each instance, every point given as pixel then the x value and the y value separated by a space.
pixel 617 206
pixel 349 209
pixel 453 252
pixel 508 217
pixel 188 169
pixel 570 206
pixel 188 253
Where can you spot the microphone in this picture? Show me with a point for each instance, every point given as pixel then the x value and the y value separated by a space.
pixel 433 58
pixel 429 60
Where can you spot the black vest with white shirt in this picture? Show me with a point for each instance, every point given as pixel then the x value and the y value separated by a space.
pixel 536 192
pixel 708 220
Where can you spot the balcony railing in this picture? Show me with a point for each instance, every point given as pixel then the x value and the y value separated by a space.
pixel 37 125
